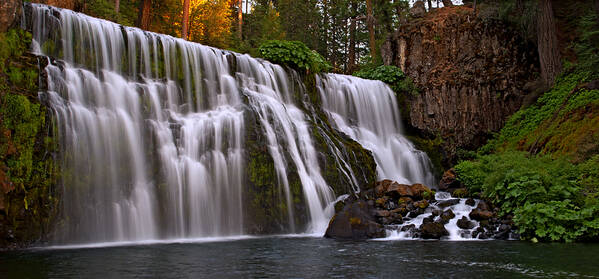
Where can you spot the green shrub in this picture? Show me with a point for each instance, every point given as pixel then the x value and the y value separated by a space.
pixel 551 198
pixel 294 54
pixel 391 75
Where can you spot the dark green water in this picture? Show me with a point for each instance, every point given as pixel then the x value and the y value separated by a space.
pixel 302 257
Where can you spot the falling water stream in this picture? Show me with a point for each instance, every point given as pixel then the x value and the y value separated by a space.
pixel 152 131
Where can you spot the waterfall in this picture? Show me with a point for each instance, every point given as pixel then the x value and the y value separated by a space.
pixel 367 111
pixel 152 132
pixel 154 135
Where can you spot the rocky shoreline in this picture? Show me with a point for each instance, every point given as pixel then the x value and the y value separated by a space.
pixel 415 211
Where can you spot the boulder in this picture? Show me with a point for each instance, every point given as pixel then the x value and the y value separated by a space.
pixel 381 187
pixel 447 203
pixel 355 221
pixel 449 180
pixel 481 212
pixel 470 202
pixel 397 190
pixel 479 215
pixel 421 204
pixel 464 223
pixel 433 231
pixel 446 216
pixel 382 213
pixel 420 191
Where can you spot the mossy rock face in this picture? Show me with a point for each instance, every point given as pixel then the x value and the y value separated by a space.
pixel 266 207
pixel 266 210
pixel 28 174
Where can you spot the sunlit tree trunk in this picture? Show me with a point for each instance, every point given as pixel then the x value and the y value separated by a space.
pixel 549 55
pixel 117 4
pixel 370 23
pixel 185 23
pixel 240 19
pixel 144 15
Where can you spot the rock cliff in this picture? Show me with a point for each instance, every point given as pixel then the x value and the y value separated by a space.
pixel 471 74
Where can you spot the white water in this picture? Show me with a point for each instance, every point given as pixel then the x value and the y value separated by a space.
pixel 152 132
pixel 367 111
pixel 460 210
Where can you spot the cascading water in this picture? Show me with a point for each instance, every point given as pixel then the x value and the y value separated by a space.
pixel 152 131
pixel 367 111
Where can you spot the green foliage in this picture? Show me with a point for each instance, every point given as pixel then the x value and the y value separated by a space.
pixel 391 75
pixel 550 198
pixel 294 54
pixel 557 102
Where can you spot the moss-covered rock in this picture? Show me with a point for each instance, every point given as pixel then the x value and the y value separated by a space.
pixel 28 174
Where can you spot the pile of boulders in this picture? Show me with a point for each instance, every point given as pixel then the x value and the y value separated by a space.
pixel 389 205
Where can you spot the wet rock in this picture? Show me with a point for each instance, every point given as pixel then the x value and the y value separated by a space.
pixel 428 219
pixel 446 216
pixel 437 212
pixel 470 202
pixel 447 203
pixel 449 180
pixel 409 228
pixel 420 191
pixel 433 231
pixel 381 187
pixel 380 202
pixel 464 223
pixel 459 193
pixel 480 215
pixel 397 190
pixel 421 204
pixel 481 212
pixel 382 213
pixel 355 221
pixel 404 200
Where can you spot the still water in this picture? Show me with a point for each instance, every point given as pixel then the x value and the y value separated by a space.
pixel 306 257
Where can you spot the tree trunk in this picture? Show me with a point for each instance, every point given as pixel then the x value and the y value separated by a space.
pixel 549 56
pixel 447 3
pixel 430 5
pixel 239 19
pixel 117 6
pixel 352 39
pixel 144 15
pixel 185 23
pixel 474 6
pixel 370 23
pixel 596 6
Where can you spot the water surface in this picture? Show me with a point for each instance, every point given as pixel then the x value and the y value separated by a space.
pixel 308 257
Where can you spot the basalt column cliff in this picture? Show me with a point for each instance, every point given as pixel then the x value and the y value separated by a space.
pixel 472 74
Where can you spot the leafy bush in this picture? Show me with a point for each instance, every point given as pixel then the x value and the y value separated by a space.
pixel 391 75
pixel 548 197
pixel 294 54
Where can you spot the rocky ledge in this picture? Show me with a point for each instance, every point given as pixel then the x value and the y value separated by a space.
pixel 417 212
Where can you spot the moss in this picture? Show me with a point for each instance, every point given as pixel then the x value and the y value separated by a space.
pixel 28 173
